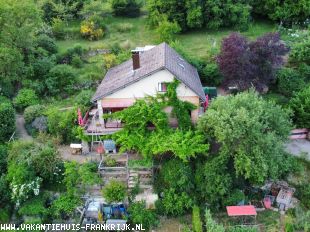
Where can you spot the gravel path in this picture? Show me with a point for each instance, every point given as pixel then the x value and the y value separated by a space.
pixel 20 128
pixel 299 147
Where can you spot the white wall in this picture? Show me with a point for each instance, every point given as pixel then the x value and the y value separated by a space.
pixel 149 86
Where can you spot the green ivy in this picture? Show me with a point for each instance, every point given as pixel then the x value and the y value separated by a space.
pixel 136 135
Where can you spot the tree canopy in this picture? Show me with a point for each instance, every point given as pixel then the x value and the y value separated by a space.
pixel 250 133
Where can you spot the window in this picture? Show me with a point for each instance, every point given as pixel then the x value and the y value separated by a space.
pixel 162 87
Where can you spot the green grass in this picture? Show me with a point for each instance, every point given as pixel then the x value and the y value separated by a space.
pixel 202 43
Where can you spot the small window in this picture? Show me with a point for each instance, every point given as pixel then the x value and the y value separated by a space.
pixel 162 87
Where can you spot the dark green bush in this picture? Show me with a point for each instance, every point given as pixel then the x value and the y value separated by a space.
pixel 76 61
pixel 7 126
pixel 46 42
pixel 83 98
pixel 289 81
pixel 3 158
pixel 129 8
pixel 24 98
pixel 212 75
pixel 60 80
pixel 140 215
pixel 300 105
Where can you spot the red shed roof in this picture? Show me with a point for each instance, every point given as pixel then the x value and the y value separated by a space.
pixel 245 210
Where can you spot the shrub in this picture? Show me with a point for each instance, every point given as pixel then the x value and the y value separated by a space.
pixel 32 112
pixel 130 8
pixel 140 215
pixel 91 30
pixel 289 81
pixel 61 124
pixel 300 105
pixel 65 205
pixel 7 126
pixel 34 207
pixel 212 74
pixel 114 191
pixel 234 197
pixel 167 30
pixel 109 61
pixel 24 98
pixel 46 42
pixel 110 162
pixel 300 53
pixel 3 158
pixel 197 224
pixel 60 80
pixel 83 98
pixel 175 203
pixel 76 61
pixel 58 27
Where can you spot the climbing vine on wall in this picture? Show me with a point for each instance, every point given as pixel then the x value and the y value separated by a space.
pixel 146 127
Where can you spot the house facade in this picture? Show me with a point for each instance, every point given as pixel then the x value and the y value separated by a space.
pixel 146 74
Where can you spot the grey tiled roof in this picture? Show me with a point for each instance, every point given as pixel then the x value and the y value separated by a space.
pixel 158 58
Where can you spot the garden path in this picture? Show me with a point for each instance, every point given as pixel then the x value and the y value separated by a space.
pixel 20 128
pixel 299 147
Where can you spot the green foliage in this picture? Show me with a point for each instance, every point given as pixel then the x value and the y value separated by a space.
pixel 250 132
pixel 24 98
pixel 212 74
pixel 114 191
pixel 183 142
pixel 195 14
pixel 76 61
pixel 47 43
pixel 110 162
pixel 3 158
pixel 5 200
pixel 140 215
pixel 288 12
pixel 7 126
pixel 300 52
pixel 174 203
pixel 300 105
pixel 60 80
pixel 197 224
pixel 32 112
pixel 4 216
pixel 211 225
pixel 58 27
pixel 62 124
pixel 65 205
pixel 167 30
pixel 289 81
pixel 83 98
pixel 234 197
pixel 35 206
pixel 129 8
pixel 148 163
pixel 71 177
pixel 88 174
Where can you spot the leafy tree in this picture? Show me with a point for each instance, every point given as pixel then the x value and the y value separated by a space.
pixel 245 64
pixel 46 42
pixel 58 27
pixel 88 175
pixel 24 98
pixel 60 80
pixel 18 22
pixel 65 205
pixel 300 105
pixel 130 8
pixel 94 8
pixel 250 133
pixel 287 12
pixel 167 30
pixel 114 191
pixel 7 125
pixel 197 224
pixel 3 158
pixel 140 215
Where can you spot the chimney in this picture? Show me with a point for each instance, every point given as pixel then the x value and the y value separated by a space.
pixel 135 59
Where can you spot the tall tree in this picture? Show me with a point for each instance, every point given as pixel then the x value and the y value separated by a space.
pixel 18 22
pixel 250 133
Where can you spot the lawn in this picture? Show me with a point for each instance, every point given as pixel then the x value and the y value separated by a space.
pixel 200 43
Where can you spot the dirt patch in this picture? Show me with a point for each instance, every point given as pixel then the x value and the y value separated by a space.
pixel 169 225
pixel 66 154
